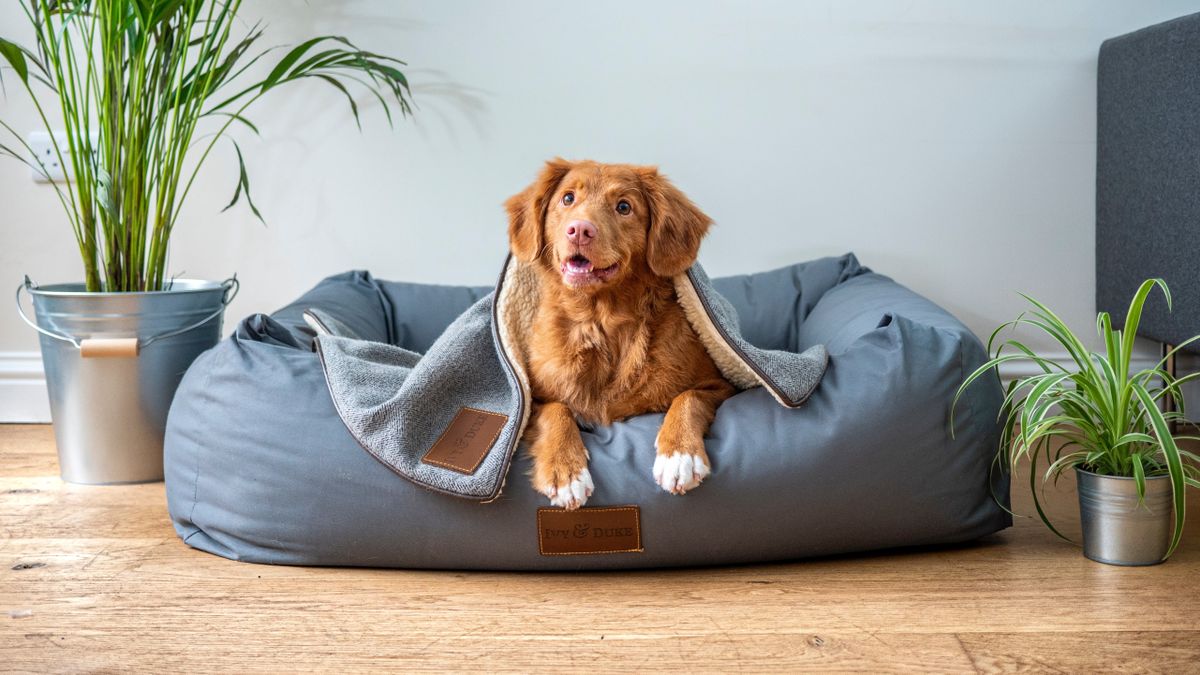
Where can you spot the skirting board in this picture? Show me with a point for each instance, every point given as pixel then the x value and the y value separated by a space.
pixel 23 386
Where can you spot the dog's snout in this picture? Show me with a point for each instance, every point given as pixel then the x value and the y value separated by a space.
pixel 580 232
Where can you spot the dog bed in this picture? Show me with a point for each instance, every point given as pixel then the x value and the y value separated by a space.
pixel 260 468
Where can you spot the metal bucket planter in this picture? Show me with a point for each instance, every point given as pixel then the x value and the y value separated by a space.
pixel 113 362
pixel 1117 529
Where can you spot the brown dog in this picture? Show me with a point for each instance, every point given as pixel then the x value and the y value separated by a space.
pixel 610 339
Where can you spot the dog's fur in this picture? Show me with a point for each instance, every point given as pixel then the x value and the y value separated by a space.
pixel 611 341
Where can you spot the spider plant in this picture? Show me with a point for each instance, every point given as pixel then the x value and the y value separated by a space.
pixel 1096 415
pixel 146 90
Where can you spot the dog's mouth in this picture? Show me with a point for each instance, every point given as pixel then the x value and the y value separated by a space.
pixel 578 270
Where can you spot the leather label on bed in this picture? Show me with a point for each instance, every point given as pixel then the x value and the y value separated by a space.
pixel 605 529
pixel 463 445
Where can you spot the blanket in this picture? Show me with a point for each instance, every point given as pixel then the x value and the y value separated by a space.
pixel 450 419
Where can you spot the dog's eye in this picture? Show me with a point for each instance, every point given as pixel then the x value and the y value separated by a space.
pixel 623 207
pixel 568 199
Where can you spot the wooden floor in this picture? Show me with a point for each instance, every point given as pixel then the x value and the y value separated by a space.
pixel 94 578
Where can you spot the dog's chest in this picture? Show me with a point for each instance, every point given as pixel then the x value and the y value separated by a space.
pixel 597 368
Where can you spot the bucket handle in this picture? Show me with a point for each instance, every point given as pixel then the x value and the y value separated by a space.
pixel 110 347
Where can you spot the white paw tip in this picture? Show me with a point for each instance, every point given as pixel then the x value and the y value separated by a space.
pixel 573 494
pixel 679 472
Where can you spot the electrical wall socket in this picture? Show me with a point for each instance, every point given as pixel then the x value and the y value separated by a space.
pixel 45 156
pixel 43 152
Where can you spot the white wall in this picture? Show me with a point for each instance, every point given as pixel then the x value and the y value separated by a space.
pixel 951 144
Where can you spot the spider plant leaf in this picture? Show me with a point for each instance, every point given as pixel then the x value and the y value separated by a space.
pixel 1042 362
pixel 1105 331
pixel 1133 437
pixel 1176 383
pixel 1063 463
pixel 1037 502
pixel 979 372
pixel 1107 377
pixel 1174 463
pixel 1139 477
pixel 1175 349
pixel 1134 316
pixel 1033 406
pixel 1007 324
pixel 1056 327
pixel 1008 406
pixel 1061 334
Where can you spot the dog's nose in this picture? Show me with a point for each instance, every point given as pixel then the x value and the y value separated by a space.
pixel 580 232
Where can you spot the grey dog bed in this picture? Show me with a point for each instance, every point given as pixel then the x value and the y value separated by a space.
pixel 260 468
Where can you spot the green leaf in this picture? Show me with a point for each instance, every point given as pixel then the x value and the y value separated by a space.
pixel 1139 476
pixel 241 119
pixel 286 62
pixel 979 372
pixel 16 58
pixel 243 185
pixel 1134 316
pixel 1007 324
pixel 1174 463
pixel 1133 437
pixel 1037 502
pixel 1031 406
pixel 342 88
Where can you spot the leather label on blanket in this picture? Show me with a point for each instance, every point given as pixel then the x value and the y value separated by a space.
pixel 604 529
pixel 463 445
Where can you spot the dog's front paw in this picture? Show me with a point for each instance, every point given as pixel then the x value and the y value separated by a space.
pixel 568 492
pixel 679 472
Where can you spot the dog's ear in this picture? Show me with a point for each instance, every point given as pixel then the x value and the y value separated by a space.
pixel 527 210
pixel 676 226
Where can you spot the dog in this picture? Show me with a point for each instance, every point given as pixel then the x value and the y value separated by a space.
pixel 610 340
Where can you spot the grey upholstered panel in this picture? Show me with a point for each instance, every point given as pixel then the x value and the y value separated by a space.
pixel 1148 175
pixel 259 467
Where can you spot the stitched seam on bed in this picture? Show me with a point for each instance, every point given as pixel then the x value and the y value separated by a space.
pixel 389 310
pixel 196 482
pixel 637 526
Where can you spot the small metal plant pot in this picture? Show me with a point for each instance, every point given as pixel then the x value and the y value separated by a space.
pixel 1117 529
pixel 113 362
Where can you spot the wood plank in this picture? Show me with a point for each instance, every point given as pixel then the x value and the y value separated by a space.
pixel 95 579
pixel 1130 651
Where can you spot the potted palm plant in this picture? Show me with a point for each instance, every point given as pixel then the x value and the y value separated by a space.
pixel 1102 419
pixel 145 90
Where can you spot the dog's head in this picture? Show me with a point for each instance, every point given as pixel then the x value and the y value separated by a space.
pixel 595 224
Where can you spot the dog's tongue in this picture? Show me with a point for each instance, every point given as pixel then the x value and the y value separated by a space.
pixel 578 264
